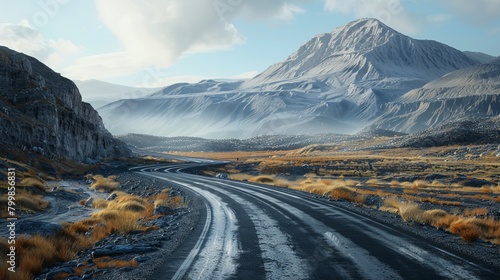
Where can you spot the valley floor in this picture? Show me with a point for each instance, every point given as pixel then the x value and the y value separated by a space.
pixel 433 191
pixel 448 196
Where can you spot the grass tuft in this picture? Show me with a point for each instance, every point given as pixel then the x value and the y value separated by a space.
pixel 467 230
pixel 262 179
pixel 32 183
pixel 410 211
pixel 103 184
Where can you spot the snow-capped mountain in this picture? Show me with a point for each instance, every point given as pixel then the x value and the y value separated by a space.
pixel 336 82
pixel 473 92
pixel 365 50
pixel 366 62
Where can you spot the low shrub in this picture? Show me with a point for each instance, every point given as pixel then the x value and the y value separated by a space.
pixel 467 231
pixel 419 184
pixel 103 184
pixel 475 212
pixel 411 211
pixel 33 183
pixel 262 179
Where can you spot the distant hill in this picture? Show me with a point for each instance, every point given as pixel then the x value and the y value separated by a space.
pixel 481 57
pixel 99 93
pixel 463 132
pixel 42 113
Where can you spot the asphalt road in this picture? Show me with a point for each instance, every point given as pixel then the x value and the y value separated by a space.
pixel 250 231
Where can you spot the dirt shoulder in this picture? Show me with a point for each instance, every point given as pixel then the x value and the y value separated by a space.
pixel 136 254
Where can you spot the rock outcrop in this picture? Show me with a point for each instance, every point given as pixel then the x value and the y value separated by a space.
pixel 43 112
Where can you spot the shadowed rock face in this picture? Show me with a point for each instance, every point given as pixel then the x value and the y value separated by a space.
pixel 42 111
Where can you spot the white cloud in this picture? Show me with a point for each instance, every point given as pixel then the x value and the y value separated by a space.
pixel 155 33
pixel 276 9
pixel 439 18
pixel 477 12
pixel 391 12
pixel 22 38
pixel 288 12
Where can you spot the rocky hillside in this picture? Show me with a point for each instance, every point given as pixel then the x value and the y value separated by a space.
pixel 463 132
pixel 42 112
pixel 473 92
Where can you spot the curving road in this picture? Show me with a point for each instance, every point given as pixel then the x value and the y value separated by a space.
pixel 250 231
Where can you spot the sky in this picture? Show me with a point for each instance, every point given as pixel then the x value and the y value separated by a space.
pixel 154 43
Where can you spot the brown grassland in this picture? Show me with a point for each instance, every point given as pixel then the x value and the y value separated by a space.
pixel 394 178
pixel 123 214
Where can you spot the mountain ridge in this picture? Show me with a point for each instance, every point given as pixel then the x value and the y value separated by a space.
pixel 336 82
pixel 472 92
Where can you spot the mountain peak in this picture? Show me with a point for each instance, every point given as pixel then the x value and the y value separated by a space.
pixel 364 50
pixel 362 35
pixel 365 23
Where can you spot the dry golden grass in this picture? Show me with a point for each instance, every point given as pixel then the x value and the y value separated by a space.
pixel 437 184
pixel 262 179
pixel 103 184
pixel 335 189
pixel 32 183
pixel 124 214
pixel 444 222
pixel 378 167
pixel 25 201
pixel 36 252
pixel 268 180
pixel 410 212
pixel 163 199
pixel 489 227
pixel 406 184
pixel 395 183
pixel 121 214
pixel 475 212
pixel 420 184
pixel 108 263
pixel 430 216
pixel 100 202
pixel 129 206
pixel 107 215
pixel 391 202
pixel 467 230
pixel 375 183
pixel 126 223
pixel 346 193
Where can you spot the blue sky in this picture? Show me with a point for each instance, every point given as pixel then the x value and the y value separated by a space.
pixel 159 42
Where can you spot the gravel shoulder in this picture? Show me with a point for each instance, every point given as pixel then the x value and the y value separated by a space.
pixel 150 249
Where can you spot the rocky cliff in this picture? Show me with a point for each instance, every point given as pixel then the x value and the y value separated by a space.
pixel 43 112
